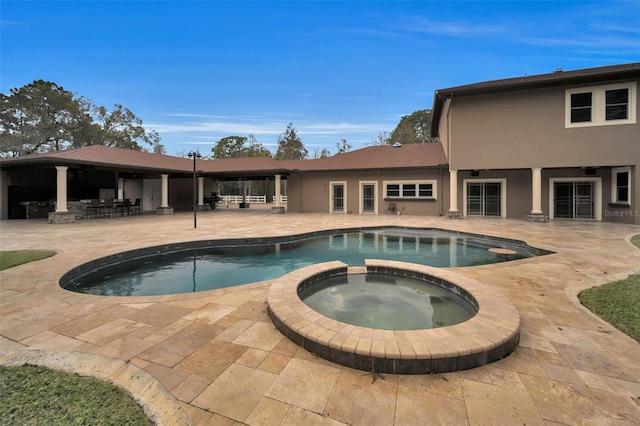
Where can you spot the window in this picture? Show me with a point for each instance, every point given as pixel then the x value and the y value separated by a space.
pixel 581 107
pixel 601 105
pixel 617 104
pixel 424 190
pixel 621 185
pixel 393 190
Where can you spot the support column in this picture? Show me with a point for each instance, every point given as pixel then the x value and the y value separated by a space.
pixel 61 185
pixel 279 208
pixel 536 190
pixel 165 191
pixel 164 206
pixel 536 214
pixel 243 203
pixel 120 189
pixel 62 213
pixel 200 192
pixel 453 212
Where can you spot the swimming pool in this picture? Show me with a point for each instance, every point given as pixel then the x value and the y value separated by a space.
pixel 206 265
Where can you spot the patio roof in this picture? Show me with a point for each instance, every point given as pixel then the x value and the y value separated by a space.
pixel 375 157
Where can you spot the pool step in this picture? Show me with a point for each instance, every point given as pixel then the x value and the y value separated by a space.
pixel 356 270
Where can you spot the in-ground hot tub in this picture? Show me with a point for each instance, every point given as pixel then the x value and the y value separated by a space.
pixel 491 334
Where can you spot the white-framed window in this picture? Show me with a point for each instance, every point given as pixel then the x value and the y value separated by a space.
pixel 411 189
pixel 605 105
pixel 338 197
pixel 621 185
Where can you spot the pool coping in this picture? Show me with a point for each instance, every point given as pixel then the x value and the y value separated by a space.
pixel 492 334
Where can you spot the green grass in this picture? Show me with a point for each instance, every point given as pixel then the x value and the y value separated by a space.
pixel 11 258
pixel 618 302
pixel 33 395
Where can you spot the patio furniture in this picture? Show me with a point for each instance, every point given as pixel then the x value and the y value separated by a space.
pixel 124 207
pixel 135 207
pixel 94 209
pixel 108 208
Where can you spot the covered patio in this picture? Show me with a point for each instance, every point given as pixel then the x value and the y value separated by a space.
pixel 61 185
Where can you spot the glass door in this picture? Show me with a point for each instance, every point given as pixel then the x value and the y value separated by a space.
pixel 484 198
pixel 573 200
pixel 368 198
pixel 337 198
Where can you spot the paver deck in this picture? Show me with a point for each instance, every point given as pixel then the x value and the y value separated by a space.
pixel 215 358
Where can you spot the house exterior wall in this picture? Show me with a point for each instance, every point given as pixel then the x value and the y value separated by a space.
pixel 527 129
pixel 505 135
pixel 309 192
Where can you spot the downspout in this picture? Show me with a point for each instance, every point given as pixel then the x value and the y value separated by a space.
pixel 449 142
pixel 440 190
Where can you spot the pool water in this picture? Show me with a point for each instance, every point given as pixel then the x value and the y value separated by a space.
pixel 386 302
pixel 193 270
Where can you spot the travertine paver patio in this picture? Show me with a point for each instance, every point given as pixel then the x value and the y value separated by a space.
pixel 217 356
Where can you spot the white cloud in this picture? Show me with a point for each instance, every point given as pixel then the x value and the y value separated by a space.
pixel 452 29
pixel 243 126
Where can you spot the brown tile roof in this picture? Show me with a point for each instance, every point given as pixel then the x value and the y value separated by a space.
pixel 553 79
pixel 416 155
pixel 377 157
pixel 99 155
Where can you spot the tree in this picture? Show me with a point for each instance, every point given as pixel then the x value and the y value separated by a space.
pixel 229 147
pixel 43 116
pixel 381 139
pixel 343 146
pixel 414 128
pixel 158 148
pixel 40 117
pixel 290 147
pixel 321 153
pixel 255 149
pixel 121 128
pixel 239 146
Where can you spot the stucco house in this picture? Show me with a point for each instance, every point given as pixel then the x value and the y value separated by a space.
pixel 563 145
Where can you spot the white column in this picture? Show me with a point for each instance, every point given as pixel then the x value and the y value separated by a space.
pixel 165 191
pixel 244 192
pixel 453 191
pixel 120 189
pixel 61 184
pixel 200 191
pixel 277 192
pixel 536 190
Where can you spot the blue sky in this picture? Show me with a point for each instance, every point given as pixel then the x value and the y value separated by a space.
pixel 199 71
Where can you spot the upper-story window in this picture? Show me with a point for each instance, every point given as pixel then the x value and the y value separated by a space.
pixel 581 106
pixel 601 105
pixel 617 104
pixel 410 189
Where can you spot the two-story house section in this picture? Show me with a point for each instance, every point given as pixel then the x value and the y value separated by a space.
pixel 564 145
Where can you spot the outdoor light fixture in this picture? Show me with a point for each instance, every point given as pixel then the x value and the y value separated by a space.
pixel 194 155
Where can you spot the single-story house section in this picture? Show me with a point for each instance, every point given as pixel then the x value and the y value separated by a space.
pixel 398 179
pixel 395 179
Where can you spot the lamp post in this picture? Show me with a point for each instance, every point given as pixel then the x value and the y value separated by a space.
pixel 194 155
